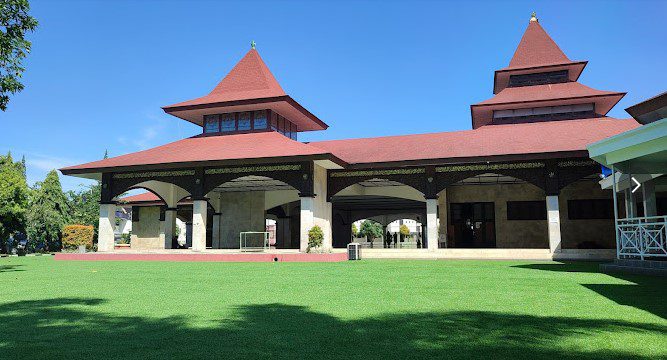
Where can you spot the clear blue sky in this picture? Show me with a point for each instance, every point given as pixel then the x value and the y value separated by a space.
pixel 100 71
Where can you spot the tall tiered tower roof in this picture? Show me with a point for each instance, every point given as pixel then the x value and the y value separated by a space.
pixel 539 80
pixel 250 85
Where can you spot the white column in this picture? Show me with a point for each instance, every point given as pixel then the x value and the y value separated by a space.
pixel 199 208
pixel 648 191
pixel 105 235
pixel 432 224
pixel 307 221
pixel 553 218
pixel 215 242
pixel 169 226
pixel 630 205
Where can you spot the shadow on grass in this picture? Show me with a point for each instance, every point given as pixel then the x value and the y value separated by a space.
pixel 10 268
pixel 565 266
pixel 73 328
pixel 646 293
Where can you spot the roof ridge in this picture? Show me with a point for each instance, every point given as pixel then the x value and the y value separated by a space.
pixel 536 48
pixel 250 74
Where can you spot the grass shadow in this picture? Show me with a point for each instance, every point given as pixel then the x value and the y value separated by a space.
pixel 10 268
pixel 71 328
pixel 564 266
pixel 645 293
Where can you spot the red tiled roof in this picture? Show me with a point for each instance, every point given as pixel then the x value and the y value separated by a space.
pixel 486 141
pixel 208 148
pixel 568 93
pixel 148 198
pixel 537 48
pixel 143 197
pixel 248 86
pixel 249 79
pixel 492 140
pixel 545 92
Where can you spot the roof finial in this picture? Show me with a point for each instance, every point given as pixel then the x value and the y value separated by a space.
pixel 533 17
pixel 252 44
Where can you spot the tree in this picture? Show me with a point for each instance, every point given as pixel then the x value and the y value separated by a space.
pixel 355 231
pixel 14 192
pixel 84 205
pixel 48 212
pixel 371 229
pixel 14 24
pixel 404 230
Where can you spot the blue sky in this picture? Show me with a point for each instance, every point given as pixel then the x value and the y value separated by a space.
pixel 100 70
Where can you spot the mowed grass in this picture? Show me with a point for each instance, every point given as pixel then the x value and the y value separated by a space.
pixel 351 310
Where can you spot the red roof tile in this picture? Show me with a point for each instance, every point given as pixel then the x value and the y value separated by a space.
pixel 536 48
pixel 545 92
pixel 207 148
pixel 143 197
pixel 492 140
pixel 249 86
pixel 249 79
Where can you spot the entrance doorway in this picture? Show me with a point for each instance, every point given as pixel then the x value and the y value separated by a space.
pixel 473 225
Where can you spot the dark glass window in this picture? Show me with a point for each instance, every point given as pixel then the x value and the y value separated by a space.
pixel 228 122
pixel 259 121
pixel 294 132
pixel 211 123
pixel 526 210
pixel 590 209
pixel 274 121
pixel 244 121
pixel 281 125
pixel 551 77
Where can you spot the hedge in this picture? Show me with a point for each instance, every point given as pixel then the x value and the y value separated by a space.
pixel 315 237
pixel 75 235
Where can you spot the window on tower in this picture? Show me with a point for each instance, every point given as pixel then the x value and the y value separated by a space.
pixel 228 123
pixel 249 121
pixel 259 121
pixel 244 121
pixel 211 124
pixel 551 77
pixel 547 113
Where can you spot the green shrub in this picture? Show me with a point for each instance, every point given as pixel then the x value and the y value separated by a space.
pixel 125 238
pixel 315 238
pixel 75 235
pixel 404 230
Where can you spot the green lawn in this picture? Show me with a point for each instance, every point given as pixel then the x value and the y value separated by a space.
pixel 352 310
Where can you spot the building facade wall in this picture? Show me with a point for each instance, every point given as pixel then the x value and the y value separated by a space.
pixel 241 211
pixel 595 233
pixel 585 233
pixel 146 231
pixel 509 233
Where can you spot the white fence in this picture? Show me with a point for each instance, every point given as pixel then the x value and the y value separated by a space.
pixel 642 237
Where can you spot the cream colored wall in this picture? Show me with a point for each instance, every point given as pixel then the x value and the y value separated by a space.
pixel 534 233
pixel 574 232
pixel 509 234
pixel 146 231
pixel 241 211
pixel 321 207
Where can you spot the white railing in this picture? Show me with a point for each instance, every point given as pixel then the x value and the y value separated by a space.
pixel 642 237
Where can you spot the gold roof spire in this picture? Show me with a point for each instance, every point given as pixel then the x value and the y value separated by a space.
pixel 533 17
